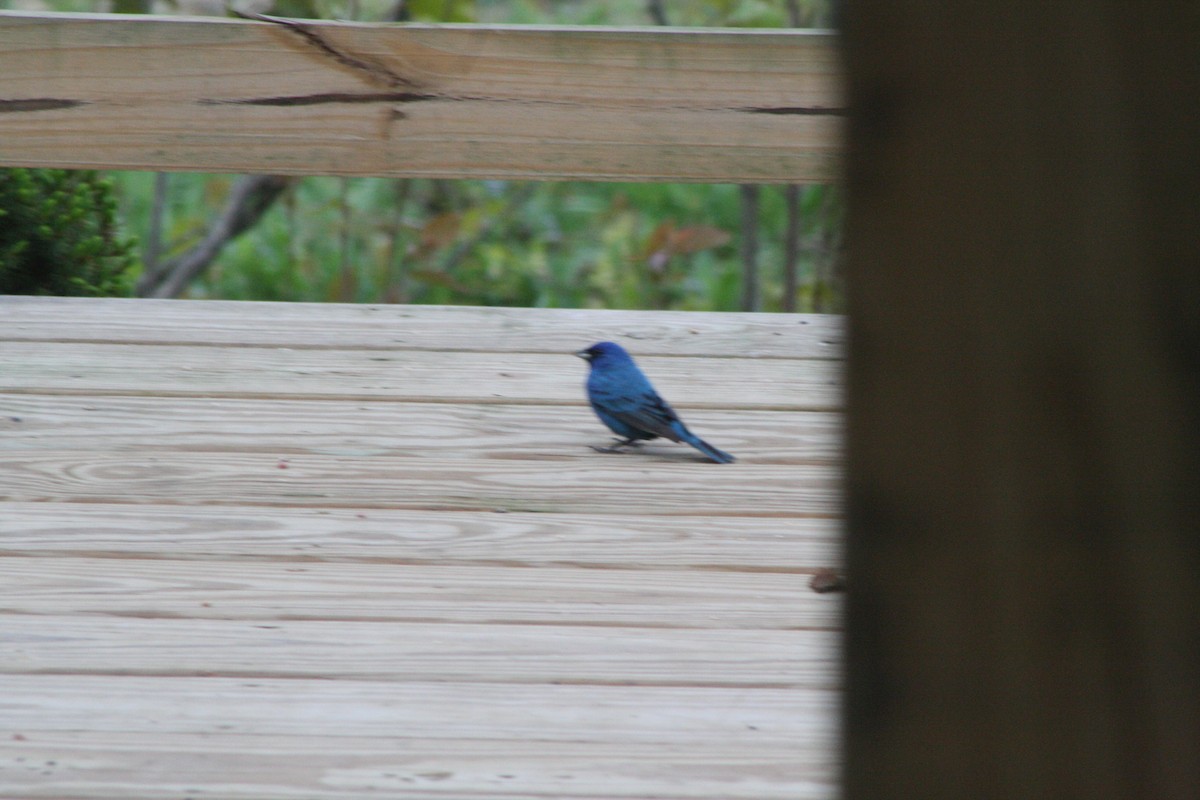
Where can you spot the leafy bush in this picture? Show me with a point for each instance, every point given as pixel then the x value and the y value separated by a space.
pixel 58 235
pixel 558 244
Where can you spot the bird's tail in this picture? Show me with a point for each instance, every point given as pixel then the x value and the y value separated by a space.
pixel 715 453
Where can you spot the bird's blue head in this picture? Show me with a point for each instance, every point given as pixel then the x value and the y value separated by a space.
pixel 604 353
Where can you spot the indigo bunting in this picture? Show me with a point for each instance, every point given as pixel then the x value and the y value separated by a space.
pixel 626 402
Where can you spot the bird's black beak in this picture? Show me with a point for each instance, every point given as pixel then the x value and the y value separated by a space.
pixel 584 354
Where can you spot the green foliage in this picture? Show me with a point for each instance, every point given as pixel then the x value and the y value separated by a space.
pixel 441 10
pixel 564 244
pixel 58 235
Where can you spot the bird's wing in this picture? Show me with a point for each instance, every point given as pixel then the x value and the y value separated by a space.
pixel 649 413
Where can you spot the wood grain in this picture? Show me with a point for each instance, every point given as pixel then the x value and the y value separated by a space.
pixel 678 483
pixel 54 765
pixel 177 371
pixel 397 327
pixel 287 535
pixel 431 710
pixel 438 430
pixel 405 592
pixel 252 739
pixel 221 95
pixel 436 652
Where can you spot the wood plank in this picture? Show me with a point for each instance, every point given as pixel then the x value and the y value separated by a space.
pixel 257 740
pixel 402 592
pixel 149 766
pixel 673 483
pixel 239 707
pixel 387 536
pixel 332 427
pixel 176 371
pixel 399 327
pixel 220 95
pixel 406 651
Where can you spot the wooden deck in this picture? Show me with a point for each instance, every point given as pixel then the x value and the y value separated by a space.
pixel 288 551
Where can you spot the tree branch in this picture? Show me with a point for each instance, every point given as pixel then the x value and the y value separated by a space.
pixel 248 200
pixel 152 254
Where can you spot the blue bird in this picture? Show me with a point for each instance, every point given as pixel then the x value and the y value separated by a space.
pixel 624 400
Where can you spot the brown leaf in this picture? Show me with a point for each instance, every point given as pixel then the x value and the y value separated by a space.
pixel 658 243
pixel 440 230
pixel 697 238
pixel 827 580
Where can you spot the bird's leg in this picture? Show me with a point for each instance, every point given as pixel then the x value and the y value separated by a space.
pixel 618 447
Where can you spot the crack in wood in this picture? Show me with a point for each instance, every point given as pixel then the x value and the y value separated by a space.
pixel 38 104
pixel 419 97
pixel 328 97
pixel 374 72
pixel 800 111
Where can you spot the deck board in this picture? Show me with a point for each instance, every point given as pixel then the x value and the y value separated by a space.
pixel 397 327
pixel 339 427
pixel 410 740
pixel 403 592
pixel 410 375
pixel 401 536
pixel 662 481
pixel 619 654
pixel 336 552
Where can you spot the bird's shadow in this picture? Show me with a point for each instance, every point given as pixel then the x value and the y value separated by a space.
pixel 657 454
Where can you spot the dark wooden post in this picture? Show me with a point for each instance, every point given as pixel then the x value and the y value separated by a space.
pixel 1024 400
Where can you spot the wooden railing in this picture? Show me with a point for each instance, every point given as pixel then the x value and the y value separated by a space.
pixel 305 97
